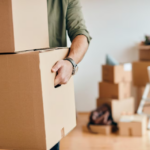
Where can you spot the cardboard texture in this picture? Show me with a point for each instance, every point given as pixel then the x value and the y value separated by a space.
pixel 115 91
pixel 124 106
pixel 34 114
pixel 127 76
pixel 97 129
pixel 119 107
pixel 144 52
pixel 135 127
pixel 23 25
pixel 112 74
pixel 140 73
pixel 115 74
pixel 101 101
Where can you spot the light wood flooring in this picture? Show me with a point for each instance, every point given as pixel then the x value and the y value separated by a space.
pixel 78 140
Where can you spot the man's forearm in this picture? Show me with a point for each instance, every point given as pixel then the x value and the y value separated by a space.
pixel 63 67
pixel 78 48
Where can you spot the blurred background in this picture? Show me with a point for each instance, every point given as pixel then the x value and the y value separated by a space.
pixel 118 29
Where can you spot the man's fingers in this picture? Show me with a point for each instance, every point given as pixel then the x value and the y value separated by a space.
pixel 63 70
pixel 57 80
pixel 56 67
pixel 60 78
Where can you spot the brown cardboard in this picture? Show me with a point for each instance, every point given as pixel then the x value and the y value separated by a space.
pixel 144 52
pixel 124 106
pixel 101 101
pixel 140 73
pixel 119 107
pixel 105 130
pixel 23 25
pixel 115 74
pixel 135 127
pixel 34 114
pixel 115 91
pixel 127 76
pixel 112 74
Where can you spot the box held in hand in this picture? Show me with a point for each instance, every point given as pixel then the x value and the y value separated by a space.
pixel 23 25
pixel 33 113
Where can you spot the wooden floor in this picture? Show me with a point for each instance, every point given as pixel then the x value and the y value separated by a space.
pixel 77 140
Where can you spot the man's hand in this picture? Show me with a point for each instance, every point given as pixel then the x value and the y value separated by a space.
pixel 64 69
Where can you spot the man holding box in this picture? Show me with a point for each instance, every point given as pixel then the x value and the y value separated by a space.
pixel 67 15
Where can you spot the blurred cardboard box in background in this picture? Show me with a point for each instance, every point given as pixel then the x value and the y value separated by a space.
pixel 34 114
pixel 118 107
pixel 144 52
pixel 115 91
pixel 133 125
pixel 23 25
pixel 112 74
pixel 98 129
pixel 140 73
pixel 116 74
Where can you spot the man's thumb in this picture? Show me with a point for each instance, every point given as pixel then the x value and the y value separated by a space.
pixel 56 67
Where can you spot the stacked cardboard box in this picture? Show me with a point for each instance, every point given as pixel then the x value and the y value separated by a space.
pixel 140 71
pixel 132 125
pixel 115 89
pixel 33 114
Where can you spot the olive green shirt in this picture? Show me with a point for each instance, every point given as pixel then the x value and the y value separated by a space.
pixel 65 15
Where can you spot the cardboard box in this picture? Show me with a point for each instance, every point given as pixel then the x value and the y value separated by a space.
pixel 115 91
pixel 144 52
pixel 140 73
pixel 116 74
pixel 101 101
pixel 97 129
pixel 127 76
pixel 34 114
pixel 132 125
pixel 112 74
pixel 23 25
pixel 119 107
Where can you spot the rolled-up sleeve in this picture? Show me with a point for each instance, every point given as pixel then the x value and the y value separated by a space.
pixel 75 23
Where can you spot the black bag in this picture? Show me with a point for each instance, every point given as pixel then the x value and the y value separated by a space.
pixel 102 116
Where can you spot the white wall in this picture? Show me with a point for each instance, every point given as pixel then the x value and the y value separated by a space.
pixel 116 27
